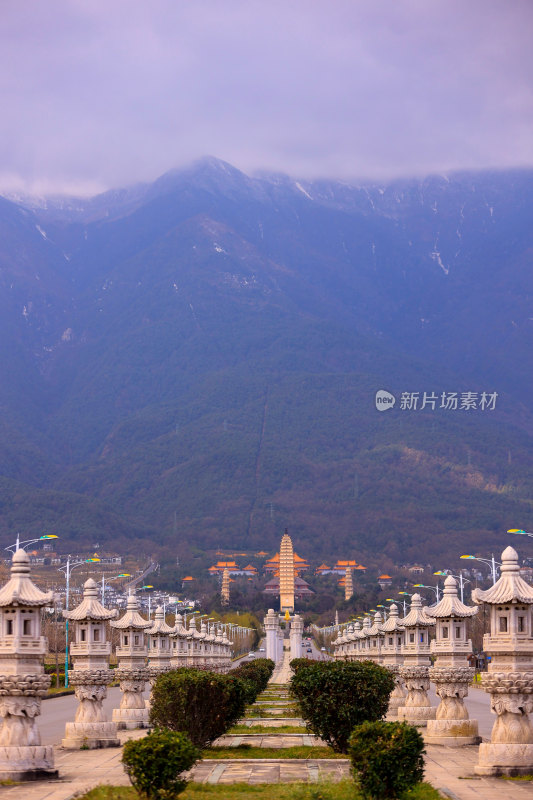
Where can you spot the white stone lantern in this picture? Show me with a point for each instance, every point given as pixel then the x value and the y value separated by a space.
pixel 451 673
pixel 210 640
pixel 392 658
pixel 509 679
pixel 179 644
pixel 22 680
pixel 415 669
pixel 356 643
pixel 91 675
pixel 364 639
pixel 132 672
pixel 159 647
pixel 376 636
pixel 227 647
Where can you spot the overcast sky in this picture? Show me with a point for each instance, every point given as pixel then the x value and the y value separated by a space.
pixel 102 93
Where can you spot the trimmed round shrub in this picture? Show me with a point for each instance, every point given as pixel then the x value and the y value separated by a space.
pixel 196 702
pixel 387 758
pixel 256 675
pixel 335 696
pixel 155 763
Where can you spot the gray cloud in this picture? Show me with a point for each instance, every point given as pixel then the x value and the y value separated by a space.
pixel 97 94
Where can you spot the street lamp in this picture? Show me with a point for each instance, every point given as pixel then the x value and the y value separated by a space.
pixel 112 578
pixel 405 594
pixel 520 532
pixel 491 562
pixel 18 544
pixel 425 586
pixel 67 569
pixel 147 586
pixel 462 580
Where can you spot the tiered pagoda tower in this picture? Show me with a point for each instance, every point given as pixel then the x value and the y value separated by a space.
pixel 286 574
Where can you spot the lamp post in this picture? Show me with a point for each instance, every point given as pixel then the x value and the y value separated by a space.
pixel 404 601
pixel 435 589
pixel 147 586
pixel 112 578
pixel 18 544
pixel 460 578
pixel 491 562
pixel 67 569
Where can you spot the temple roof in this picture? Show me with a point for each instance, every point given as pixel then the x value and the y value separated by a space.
pixel 20 589
pixel 393 623
pixel 417 615
pixel 90 607
pixel 131 617
pixel 450 605
pixel 511 587
pixel 159 625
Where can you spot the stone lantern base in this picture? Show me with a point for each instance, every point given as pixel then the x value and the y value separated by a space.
pixel 132 713
pixel 504 759
pixel 27 763
pixel 417 709
pixel 452 732
pixel 398 694
pixel 90 735
pixel 452 727
pixel 90 729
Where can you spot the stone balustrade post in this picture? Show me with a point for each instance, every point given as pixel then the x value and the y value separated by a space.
pixel 451 673
pixel 391 650
pixel 297 631
pixel 23 683
pixel 509 679
pixel 91 675
pixel 415 669
pixel 132 672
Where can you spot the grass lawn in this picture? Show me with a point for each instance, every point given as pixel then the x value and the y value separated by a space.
pixel 254 711
pixel 265 729
pixel 249 751
pixel 344 790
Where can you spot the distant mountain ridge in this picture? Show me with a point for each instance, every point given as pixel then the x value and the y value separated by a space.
pixel 202 354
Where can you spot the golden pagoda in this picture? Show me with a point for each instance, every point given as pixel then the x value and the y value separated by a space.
pixel 348 584
pixel 224 591
pixel 286 574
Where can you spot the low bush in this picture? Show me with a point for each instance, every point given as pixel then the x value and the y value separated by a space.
pixel 387 758
pixel 336 696
pixel 196 702
pixel 155 763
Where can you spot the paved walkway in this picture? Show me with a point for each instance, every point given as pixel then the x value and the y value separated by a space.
pixel 267 722
pixel 282 673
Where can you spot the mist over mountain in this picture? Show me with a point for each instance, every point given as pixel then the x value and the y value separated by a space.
pixel 193 363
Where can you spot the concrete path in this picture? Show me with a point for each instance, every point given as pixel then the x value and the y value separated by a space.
pixel 282 673
pixel 270 770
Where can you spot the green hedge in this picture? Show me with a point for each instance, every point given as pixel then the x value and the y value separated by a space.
pixel 255 675
pixel 196 702
pixel 298 663
pixel 335 696
pixel 387 758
